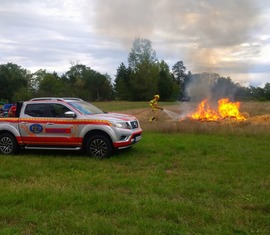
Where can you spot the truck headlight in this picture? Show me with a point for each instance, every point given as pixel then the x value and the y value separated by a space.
pixel 124 125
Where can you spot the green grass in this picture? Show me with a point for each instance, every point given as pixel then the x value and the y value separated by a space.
pixel 183 178
pixel 166 184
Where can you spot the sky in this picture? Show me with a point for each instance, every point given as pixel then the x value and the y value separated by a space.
pixel 231 38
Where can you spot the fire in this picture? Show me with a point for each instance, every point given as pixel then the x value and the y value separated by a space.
pixel 226 109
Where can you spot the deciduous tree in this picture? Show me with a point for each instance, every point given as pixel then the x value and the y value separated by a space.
pixel 145 71
pixel 12 79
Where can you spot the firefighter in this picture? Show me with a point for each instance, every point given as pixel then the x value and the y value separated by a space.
pixel 154 106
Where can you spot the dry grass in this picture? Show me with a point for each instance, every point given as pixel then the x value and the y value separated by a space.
pixel 257 114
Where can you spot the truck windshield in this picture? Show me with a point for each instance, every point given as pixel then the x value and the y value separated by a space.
pixel 85 107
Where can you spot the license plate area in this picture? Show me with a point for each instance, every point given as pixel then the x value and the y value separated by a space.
pixel 138 138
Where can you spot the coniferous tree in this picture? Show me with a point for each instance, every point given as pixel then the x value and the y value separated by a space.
pixel 122 85
pixel 166 84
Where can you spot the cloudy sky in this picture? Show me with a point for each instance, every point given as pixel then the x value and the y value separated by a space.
pixel 231 38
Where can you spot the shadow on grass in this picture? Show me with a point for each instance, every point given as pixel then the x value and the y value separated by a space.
pixel 68 153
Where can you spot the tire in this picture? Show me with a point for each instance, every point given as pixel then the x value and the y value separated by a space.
pixel 8 144
pixel 99 146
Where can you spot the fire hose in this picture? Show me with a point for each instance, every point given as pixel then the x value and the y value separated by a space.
pixel 144 110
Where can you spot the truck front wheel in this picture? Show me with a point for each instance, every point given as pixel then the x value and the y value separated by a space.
pixel 99 146
pixel 8 144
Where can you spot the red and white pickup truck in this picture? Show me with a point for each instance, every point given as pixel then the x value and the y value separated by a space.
pixel 67 124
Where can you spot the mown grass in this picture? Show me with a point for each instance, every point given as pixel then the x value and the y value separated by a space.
pixel 167 184
pixel 172 182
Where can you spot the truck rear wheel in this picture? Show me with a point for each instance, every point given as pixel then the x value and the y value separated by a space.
pixel 99 146
pixel 8 144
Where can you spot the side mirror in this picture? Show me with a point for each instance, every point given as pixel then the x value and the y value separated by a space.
pixel 70 114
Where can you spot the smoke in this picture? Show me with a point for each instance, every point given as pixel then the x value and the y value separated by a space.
pixel 200 86
pixel 209 86
pixel 205 25
pixel 208 35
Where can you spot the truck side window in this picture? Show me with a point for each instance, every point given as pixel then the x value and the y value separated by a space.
pixel 35 110
pixel 57 110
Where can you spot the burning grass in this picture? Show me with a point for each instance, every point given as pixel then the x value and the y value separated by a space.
pixel 177 118
pixel 226 109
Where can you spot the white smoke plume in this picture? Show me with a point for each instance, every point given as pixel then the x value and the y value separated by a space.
pixel 201 31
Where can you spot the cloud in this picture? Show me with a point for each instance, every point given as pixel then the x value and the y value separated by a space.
pixel 47 35
pixel 208 35
pixel 206 23
pixel 228 37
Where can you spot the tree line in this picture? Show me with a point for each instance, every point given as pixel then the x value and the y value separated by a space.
pixel 143 77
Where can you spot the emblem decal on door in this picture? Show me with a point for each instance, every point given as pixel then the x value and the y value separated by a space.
pixel 36 128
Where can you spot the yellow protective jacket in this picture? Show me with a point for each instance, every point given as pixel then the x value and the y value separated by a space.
pixel 153 104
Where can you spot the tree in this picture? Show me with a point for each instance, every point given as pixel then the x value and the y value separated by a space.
pixel 242 93
pixel 166 84
pixel 267 90
pixel 144 81
pixel 224 88
pixel 88 84
pixel 178 70
pixel 257 93
pixel 36 78
pixel 97 85
pixel 75 72
pixel 51 85
pixel 144 70
pixel 122 83
pixel 180 77
pixel 12 79
pixel 141 52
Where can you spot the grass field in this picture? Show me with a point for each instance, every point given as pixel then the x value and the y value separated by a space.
pixel 184 178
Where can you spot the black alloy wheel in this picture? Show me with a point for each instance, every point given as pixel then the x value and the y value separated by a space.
pixel 99 146
pixel 8 144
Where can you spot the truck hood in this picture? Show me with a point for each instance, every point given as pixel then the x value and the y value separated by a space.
pixel 112 117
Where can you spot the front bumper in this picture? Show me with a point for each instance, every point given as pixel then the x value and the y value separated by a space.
pixel 133 139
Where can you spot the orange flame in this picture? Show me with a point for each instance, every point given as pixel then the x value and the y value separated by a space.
pixel 226 109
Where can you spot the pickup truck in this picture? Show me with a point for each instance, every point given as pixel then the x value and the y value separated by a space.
pixel 67 124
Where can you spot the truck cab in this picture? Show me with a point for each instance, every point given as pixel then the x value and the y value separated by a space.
pixel 67 124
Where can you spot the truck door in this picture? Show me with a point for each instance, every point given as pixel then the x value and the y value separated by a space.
pixel 46 124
